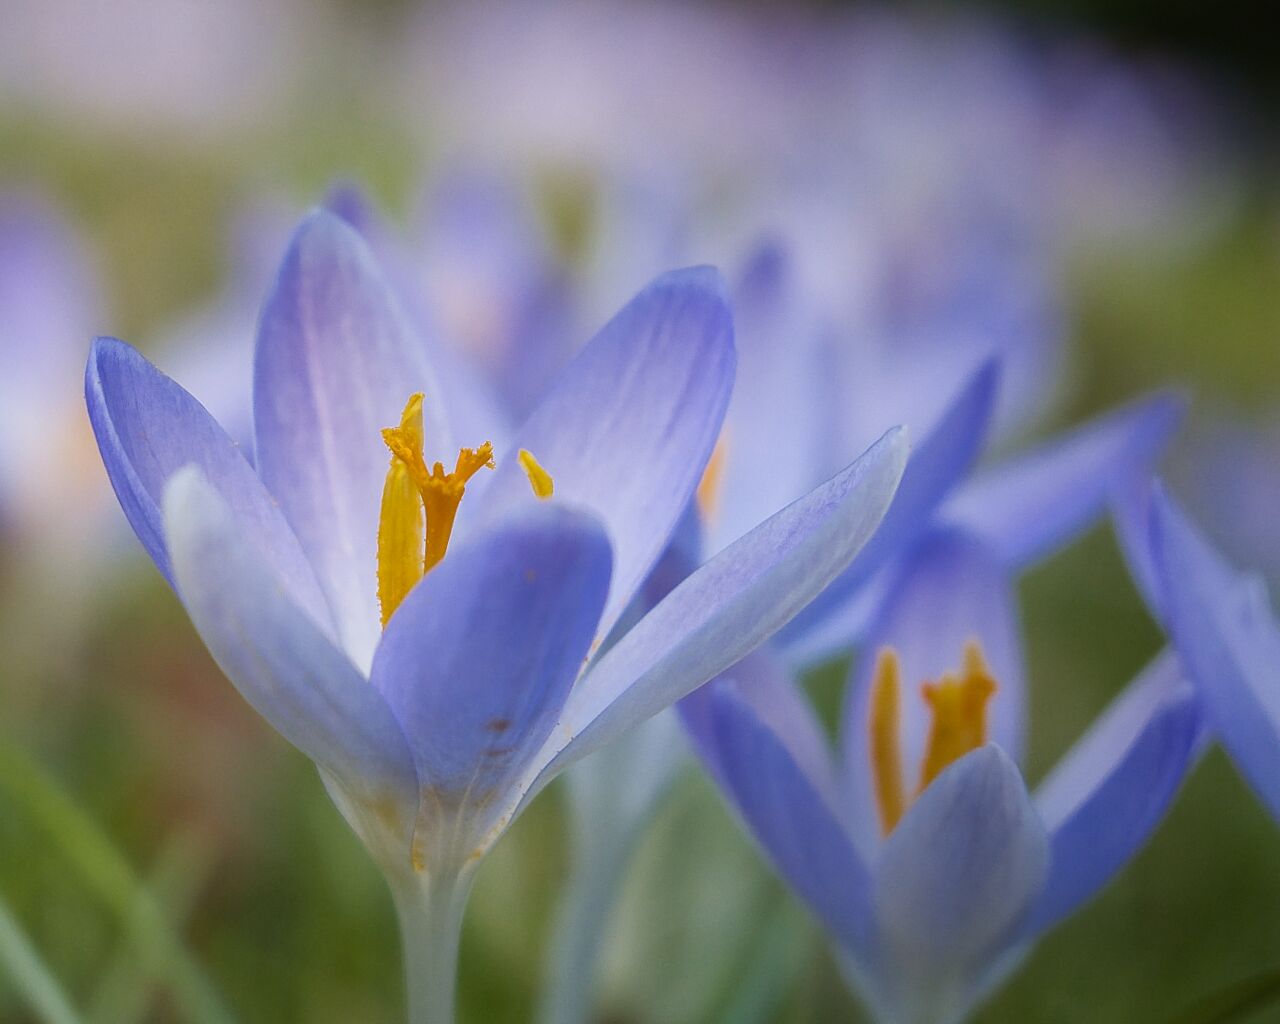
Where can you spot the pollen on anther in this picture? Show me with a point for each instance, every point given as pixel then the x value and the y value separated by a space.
pixel 539 479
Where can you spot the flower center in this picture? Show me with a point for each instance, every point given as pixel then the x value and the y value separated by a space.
pixel 420 505
pixel 958 705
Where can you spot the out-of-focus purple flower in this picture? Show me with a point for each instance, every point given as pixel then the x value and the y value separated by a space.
pixel 147 65
pixel 787 423
pixel 933 579
pixel 919 846
pixel 1137 154
pixel 792 397
pixel 498 290
pixel 49 301
pixel 589 107
pixel 211 349
pixel 431 737
pixel 755 107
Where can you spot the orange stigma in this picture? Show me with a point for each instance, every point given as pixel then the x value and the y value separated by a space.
pixel 958 705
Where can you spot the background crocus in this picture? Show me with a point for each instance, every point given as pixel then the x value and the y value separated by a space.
pixel 274 561
pixel 787 423
pixel 920 847
pixel 49 298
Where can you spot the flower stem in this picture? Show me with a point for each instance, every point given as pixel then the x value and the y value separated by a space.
pixel 430 909
pixel 582 921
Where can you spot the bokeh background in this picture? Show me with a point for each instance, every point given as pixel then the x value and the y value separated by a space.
pixel 159 843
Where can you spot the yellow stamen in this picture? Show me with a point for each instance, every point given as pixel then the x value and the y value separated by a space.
pixel 539 479
pixel 400 539
pixel 711 485
pixel 419 507
pixel 958 705
pixel 400 526
pixel 886 739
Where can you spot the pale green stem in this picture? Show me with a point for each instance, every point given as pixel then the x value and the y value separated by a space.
pixel 430 909
pixel 582 920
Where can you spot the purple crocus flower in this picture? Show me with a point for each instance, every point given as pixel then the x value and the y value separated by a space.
pixel 1223 628
pixel 48 300
pixel 932 883
pixel 439 693
pixel 793 407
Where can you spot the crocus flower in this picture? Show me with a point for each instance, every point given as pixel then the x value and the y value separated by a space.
pixel 793 405
pixel 49 297
pixel 919 846
pixel 1223 628
pixel 439 681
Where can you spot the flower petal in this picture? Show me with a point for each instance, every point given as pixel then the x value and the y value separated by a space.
pixel 478 659
pixel 782 806
pixel 730 605
pixel 1109 792
pixel 1028 506
pixel 278 658
pixel 760 680
pixel 951 590
pixel 147 428
pixel 1131 520
pixel 948 452
pixel 953 882
pixel 1224 631
pixel 630 425
pixel 336 361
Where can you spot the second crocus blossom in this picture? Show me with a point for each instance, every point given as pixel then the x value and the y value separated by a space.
pixel 920 847
pixel 490 675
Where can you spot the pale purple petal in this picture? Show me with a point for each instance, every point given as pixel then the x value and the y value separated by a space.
pixel 147 428
pixel 628 428
pixel 277 657
pixel 335 363
pixel 1029 505
pixel 1106 796
pixel 478 659
pixel 954 881
pixel 788 814
pixel 831 624
pixel 1224 630
pixel 731 605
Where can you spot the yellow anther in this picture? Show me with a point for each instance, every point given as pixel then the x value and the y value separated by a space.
pixel 958 706
pixel 419 507
pixel 886 739
pixel 400 525
pixel 539 479
pixel 711 485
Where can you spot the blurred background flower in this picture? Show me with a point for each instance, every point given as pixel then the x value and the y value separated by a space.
pixel 1086 191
